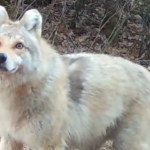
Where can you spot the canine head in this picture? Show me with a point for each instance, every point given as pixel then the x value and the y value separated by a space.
pixel 20 43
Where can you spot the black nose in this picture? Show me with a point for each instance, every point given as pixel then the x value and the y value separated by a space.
pixel 3 58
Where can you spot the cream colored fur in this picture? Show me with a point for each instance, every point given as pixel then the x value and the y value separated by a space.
pixel 59 102
pixel 33 99
pixel 114 103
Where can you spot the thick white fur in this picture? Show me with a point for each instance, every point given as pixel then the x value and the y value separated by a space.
pixel 114 103
pixel 32 20
pixel 33 99
pixel 76 99
pixel 3 15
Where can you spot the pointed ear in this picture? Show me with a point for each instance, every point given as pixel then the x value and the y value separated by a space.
pixel 3 15
pixel 32 21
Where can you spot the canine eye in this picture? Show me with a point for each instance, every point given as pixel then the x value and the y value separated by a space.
pixel 19 46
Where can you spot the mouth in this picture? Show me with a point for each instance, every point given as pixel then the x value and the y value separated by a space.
pixel 13 70
pixel 4 69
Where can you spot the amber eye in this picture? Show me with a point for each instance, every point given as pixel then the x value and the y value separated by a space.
pixel 19 45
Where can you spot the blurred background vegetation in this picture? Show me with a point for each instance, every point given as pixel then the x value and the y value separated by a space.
pixel 116 27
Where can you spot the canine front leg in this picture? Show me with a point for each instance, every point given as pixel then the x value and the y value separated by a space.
pixel 42 143
pixel 10 144
pixel 58 146
pixel 133 131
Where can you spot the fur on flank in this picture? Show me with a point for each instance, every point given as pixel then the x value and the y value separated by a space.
pixel 51 101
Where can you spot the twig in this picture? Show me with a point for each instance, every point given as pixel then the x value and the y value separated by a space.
pixel 18 3
pixel 102 26
pixel 62 18
pixel 116 28
pixel 26 8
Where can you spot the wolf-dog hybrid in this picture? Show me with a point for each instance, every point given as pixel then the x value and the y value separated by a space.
pixel 52 101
